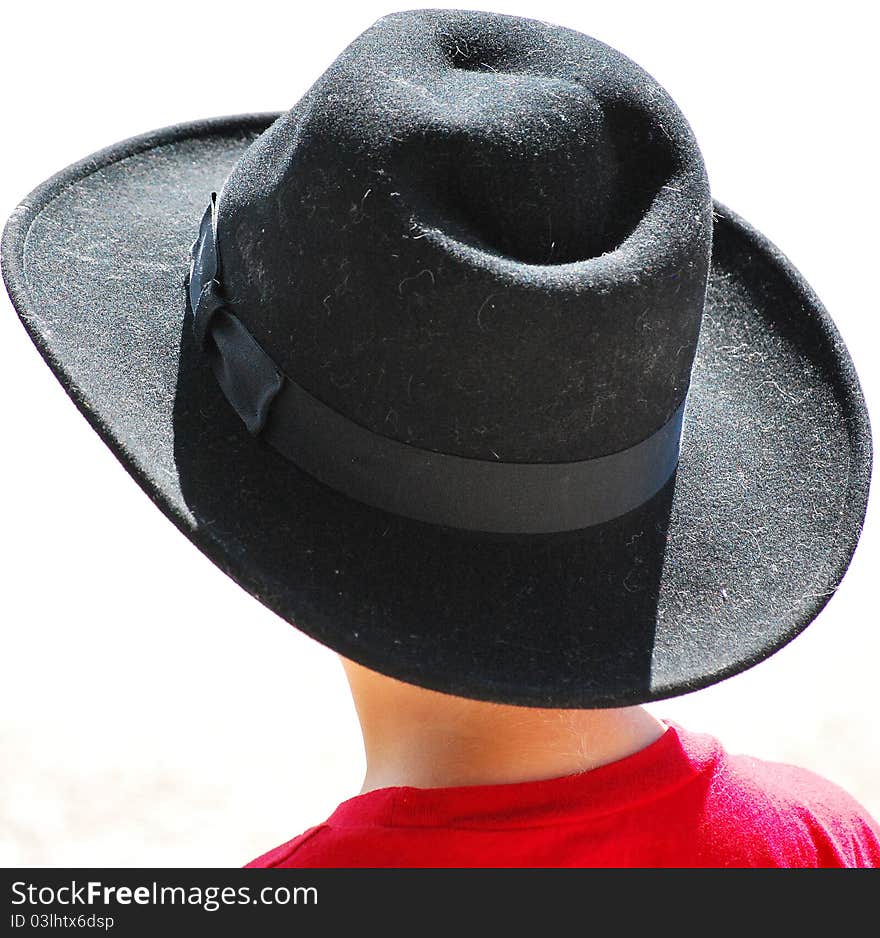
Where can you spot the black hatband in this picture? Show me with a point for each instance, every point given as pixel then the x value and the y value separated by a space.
pixel 438 488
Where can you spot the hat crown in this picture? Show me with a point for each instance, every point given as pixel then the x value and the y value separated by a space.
pixel 478 234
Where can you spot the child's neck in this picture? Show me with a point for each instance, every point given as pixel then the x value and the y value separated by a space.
pixel 424 739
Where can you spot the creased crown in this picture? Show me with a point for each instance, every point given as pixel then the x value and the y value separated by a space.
pixel 479 234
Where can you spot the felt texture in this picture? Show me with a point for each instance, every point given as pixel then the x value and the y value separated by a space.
pixel 461 200
pixel 680 802
pixel 730 562
pixel 438 488
pixel 731 559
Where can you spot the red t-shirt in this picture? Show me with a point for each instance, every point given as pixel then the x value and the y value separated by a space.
pixel 680 802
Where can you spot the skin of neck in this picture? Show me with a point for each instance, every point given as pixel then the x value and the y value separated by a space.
pixel 424 739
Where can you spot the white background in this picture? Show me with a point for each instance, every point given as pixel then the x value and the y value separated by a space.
pixel 151 713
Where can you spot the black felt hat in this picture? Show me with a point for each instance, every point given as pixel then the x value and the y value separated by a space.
pixel 421 382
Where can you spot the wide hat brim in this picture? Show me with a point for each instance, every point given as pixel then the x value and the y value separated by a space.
pixel 734 557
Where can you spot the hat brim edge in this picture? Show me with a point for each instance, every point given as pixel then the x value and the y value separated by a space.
pixel 852 516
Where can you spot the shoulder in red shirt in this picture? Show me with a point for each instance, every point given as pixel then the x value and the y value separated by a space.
pixel 680 802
